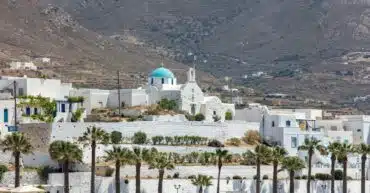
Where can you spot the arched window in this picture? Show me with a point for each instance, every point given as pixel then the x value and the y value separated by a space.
pixel 152 81
pixel 162 80
pixel 273 124
pixel 6 116
pixel 172 81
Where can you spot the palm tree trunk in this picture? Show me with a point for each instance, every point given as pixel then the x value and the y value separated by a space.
pixel 138 168
pixel 274 177
pixel 332 174
pixel 344 176
pixel 258 175
pixel 160 182
pixel 66 176
pixel 363 161
pixel 219 174
pixel 92 182
pixel 17 156
pixel 291 182
pixel 200 189
pixel 117 177
pixel 310 152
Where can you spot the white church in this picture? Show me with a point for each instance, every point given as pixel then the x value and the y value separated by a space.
pixel 162 83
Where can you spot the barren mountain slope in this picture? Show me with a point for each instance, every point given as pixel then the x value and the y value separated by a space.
pixel 244 36
pixel 79 55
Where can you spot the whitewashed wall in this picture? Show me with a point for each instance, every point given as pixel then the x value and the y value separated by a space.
pixel 80 183
pixel 220 131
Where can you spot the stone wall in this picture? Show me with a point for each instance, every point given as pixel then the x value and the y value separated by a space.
pixel 27 178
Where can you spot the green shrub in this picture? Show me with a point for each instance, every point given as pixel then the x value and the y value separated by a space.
pixel 191 177
pixel 252 137
pixel 236 177
pixel 3 169
pixel 234 141
pixel 169 176
pixel 199 117
pixel 157 140
pixel 168 140
pixel 109 172
pixel 215 143
pixel 297 177
pixel 44 172
pixel 265 177
pixel 304 177
pixel 228 116
pixel 168 104
pixel 131 119
pixel 139 138
pixel 116 137
pixel 176 175
pixel 338 175
pixel 321 176
pixel 76 116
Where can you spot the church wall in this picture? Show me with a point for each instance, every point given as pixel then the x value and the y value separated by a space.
pixel 171 95
pixel 189 90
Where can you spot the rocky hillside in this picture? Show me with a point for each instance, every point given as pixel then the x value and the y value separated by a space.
pixel 299 44
pixel 78 54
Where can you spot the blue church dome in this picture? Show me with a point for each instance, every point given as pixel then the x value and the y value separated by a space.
pixel 162 73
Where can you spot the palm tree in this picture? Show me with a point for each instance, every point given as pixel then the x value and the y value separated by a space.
pixel 310 145
pixel 18 144
pixel 277 156
pixel 202 180
pixel 333 150
pixel 343 152
pixel 138 156
pixel 261 154
pixel 94 135
pixel 292 164
pixel 363 150
pixel 161 161
pixel 120 156
pixel 66 153
pixel 221 155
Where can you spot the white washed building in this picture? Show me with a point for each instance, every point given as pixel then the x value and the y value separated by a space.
pixel 162 84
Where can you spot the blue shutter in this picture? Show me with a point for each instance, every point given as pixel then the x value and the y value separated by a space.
pixel 6 116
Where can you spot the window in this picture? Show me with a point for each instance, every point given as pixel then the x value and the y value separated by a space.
pixel 162 80
pixel 35 111
pixel 346 141
pixel 172 81
pixel 294 142
pixel 214 112
pixel 273 124
pixel 63 106
pixel 358 130
pixel 152 81
pixel 287 123
pixel 6 116
pixel 193 109
pixel 20 92
pixel 28 111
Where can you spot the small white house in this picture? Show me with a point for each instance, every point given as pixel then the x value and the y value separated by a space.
pixel 22 66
